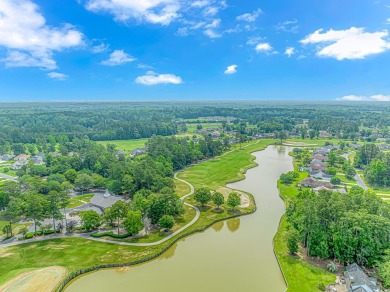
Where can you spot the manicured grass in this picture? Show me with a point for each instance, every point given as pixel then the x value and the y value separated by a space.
pixel 192 127
pixel 79 201
pixel 301 276
pixel 126 145
pixel 78 253
pixel 10 172
pixel 182 189
pixel 15 227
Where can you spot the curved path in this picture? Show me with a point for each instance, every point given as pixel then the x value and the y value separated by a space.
pixel 88 235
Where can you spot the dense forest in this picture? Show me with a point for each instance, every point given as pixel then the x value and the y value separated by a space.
pixel 32 122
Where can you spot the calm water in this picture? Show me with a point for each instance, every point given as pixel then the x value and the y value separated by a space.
pixel 235 255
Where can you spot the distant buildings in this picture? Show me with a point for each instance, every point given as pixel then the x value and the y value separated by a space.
pixel 138 151
pixel 357 281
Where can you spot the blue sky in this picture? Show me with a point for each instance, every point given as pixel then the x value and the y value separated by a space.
pixel 194 50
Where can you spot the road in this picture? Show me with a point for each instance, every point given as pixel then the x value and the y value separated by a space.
pixel 8 177
pixel 357 176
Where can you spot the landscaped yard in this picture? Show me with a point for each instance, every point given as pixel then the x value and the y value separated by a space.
pixel 15 227
pixel 10 172
pixel 79 201
pixel 126 145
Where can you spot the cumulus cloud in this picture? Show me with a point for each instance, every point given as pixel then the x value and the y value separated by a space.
pixel 263 47
pixel 153 11
pixel 29 40
pixel 232 69
pixel 377 97
pixel 58 76
pixel 152 78
pixel 353 43
pixel 118 57
pixel 211 29
pixel 101 48
pixel 250 17
pixel 289 51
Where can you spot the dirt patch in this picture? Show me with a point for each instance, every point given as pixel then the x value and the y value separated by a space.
pixel 46 279
pixel 4 255
pixel 245 200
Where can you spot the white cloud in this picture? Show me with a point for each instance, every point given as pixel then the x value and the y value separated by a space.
pixel 288 26
pixel 200 3
pixel 153 11
pixel 254 40
pixel 152 78
pixel 388 20
pixel 58 76
pixel 250 17
pixel 101 48
pixel 211 29
pixel 353 43
pixel 289 51
pixel 377 97
pixel 29 40
pixel 118 57
pixel 263 47
pixel 232 69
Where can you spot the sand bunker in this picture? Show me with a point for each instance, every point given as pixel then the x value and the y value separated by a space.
pixel 245 200
pixel 46 279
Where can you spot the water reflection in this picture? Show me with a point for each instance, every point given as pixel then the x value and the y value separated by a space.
pixel 233 224
pixel 218 226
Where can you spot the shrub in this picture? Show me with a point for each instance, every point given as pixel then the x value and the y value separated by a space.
pixel 332 267
pixel 335 180
pixel 6 169
pixel 322 287
pixel 97 235
pixel 166 222
pixel 331 171
pixel 29 235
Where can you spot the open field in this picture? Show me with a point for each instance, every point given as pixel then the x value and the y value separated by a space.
pixel 126 145
pixel 192 127
pixel 15 227
pixel 79 201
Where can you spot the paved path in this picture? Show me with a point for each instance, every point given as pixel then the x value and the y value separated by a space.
pixel 8 177
pixel 357 176
pixel 89 237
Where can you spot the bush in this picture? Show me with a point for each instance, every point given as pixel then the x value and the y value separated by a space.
pixel 29 235
pixel 287 178
pixel 292 241
pixel 335 180
pixel 6 169
pixel 332 267
pixel 331 171
pixel 166 222
pixel 97 235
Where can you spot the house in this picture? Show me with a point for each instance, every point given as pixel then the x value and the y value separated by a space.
pixel 215 134
pixel 319 174
pixel 22 157
pixel 357 281
pixel 384 147
pixel 7 157
pixel 18 165
pixel 120 153
pixel 38 160
pixel 313 183
pixel 55 154
pixel 316 165
pixel 320 157
pixel 356 146
pixel 138 151
pixel 325 134
pixel 304 168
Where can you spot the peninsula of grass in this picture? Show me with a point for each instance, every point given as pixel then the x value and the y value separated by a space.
pixel 79 201
pixel 78 253
pixel 300 275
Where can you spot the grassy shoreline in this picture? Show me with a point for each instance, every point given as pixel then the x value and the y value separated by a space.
pixel 77 254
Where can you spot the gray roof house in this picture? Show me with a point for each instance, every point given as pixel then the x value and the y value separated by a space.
pixel 37 160
pixel 18 164
pixel 6 157
pixel 120 153
pixel 138 151
pixel 319 174
pixel 357 281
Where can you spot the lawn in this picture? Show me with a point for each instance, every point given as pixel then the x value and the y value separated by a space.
pixel 79 201
pixel 126 145
pixel 10 171
pixel 192 127
pixel 301 276
pixel 15 227
pixel 78 253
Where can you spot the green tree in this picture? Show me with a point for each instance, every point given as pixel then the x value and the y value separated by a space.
pixel 7 230
pixel 292 241
pixel 335 180
pixel 287 178
pixel 202 196
pixel 83 182
pixel 35 208
pixel 312 134
pixel 234 200
pixel 332 158
pixel 166 222
pixel 54 206
pixel 164 204
pixel 133 222
pixel 218 199
pixel 13 211
pixel 128 185
pixel 90 219
pixel 119 211
pixel 70 175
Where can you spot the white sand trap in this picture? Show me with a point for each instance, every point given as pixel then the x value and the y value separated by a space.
pixel 245 200
pixel 46 279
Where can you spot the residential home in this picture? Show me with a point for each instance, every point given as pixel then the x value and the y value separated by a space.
pixel 313 183
pixel 357 281
pixel 22 157
pixel 319 174
pixel 38 160
pixel 320 157
pixel 6 157
pixel 384 147
pixel 215 134
pixel 355 146
pixel 120 153
pixel 55 154
pixel 138 151
pixel 325 134
pixel 18 164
